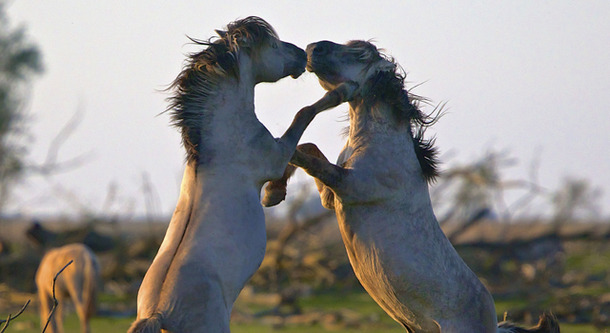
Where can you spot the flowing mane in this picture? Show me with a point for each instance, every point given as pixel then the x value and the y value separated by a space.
pixel 202 73
pixel 388 86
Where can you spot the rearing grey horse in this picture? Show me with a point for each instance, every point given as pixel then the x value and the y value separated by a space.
pixel 379 192
pixel 216 238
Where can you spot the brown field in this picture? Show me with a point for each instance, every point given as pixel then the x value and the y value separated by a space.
pixel 306 281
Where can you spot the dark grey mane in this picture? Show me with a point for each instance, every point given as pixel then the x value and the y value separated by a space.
pixel 204 70
pixel 389 87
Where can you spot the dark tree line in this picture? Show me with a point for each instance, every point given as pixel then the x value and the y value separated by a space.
pixel 20 60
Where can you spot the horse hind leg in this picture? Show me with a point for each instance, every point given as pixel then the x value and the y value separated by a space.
pixel 46 305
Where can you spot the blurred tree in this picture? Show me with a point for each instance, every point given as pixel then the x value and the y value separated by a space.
pixel 297 258
pixel 19 61
pixel 468 194
pixel 474 188
pixel 575 199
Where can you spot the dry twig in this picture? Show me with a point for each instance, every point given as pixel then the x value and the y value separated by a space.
pixel 11 317
pixel 55 302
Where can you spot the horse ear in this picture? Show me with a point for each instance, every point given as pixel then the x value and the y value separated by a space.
pixel 387 66
pixel 221 33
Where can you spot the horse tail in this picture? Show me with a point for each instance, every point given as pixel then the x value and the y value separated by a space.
pixel 547 324
pixel 151 324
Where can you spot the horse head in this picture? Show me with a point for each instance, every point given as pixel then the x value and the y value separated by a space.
pixel 272 58
pixel 381 91
pixel 355 61
pixel 247 49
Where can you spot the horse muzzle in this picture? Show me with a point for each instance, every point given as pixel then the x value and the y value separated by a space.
pixel 299 59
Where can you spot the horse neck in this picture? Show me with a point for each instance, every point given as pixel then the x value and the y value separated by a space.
pixel 234 97
pixel 375 134
pixel 227 114
pixel 372 124
pixel 234 103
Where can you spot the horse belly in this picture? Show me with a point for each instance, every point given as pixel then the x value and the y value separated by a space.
pixel 233 239
pixel 195 304
pixel 228 244
pixel 410 268
pixel 222 246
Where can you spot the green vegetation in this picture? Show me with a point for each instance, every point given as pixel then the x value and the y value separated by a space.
pixel 358 302
pixel 573 283
pixel 596 260
pixel 30 323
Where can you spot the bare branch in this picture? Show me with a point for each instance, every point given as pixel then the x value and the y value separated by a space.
pixel 62 136
pixel 151 197
pixel 55 302
pixel 51 164
pixel 63 166
pixel 7 321
pixel 11 317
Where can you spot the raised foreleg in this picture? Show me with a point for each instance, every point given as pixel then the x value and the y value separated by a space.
pixel 275 191
pixel 313 161
pixel 341 94
pixel 286 145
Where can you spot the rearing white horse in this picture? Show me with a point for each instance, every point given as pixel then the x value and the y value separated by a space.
pixel 379 192
pixel 216 238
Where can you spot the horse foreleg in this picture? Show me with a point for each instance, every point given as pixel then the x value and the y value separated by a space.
pixel 341 94
pixel 275 191
pixel 288 142
pixel 327 196
pixel 327 175
pixel 313 161
pixel 46 304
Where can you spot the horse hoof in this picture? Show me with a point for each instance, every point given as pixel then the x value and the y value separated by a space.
pixel 273 197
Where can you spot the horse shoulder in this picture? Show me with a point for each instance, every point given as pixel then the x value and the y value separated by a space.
pixel 270 154
pixel 248 148
pixel 368 180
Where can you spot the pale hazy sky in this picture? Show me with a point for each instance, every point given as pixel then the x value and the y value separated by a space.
pixel 530 77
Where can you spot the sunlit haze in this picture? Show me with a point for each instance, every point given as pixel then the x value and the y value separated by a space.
pixel 531 78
